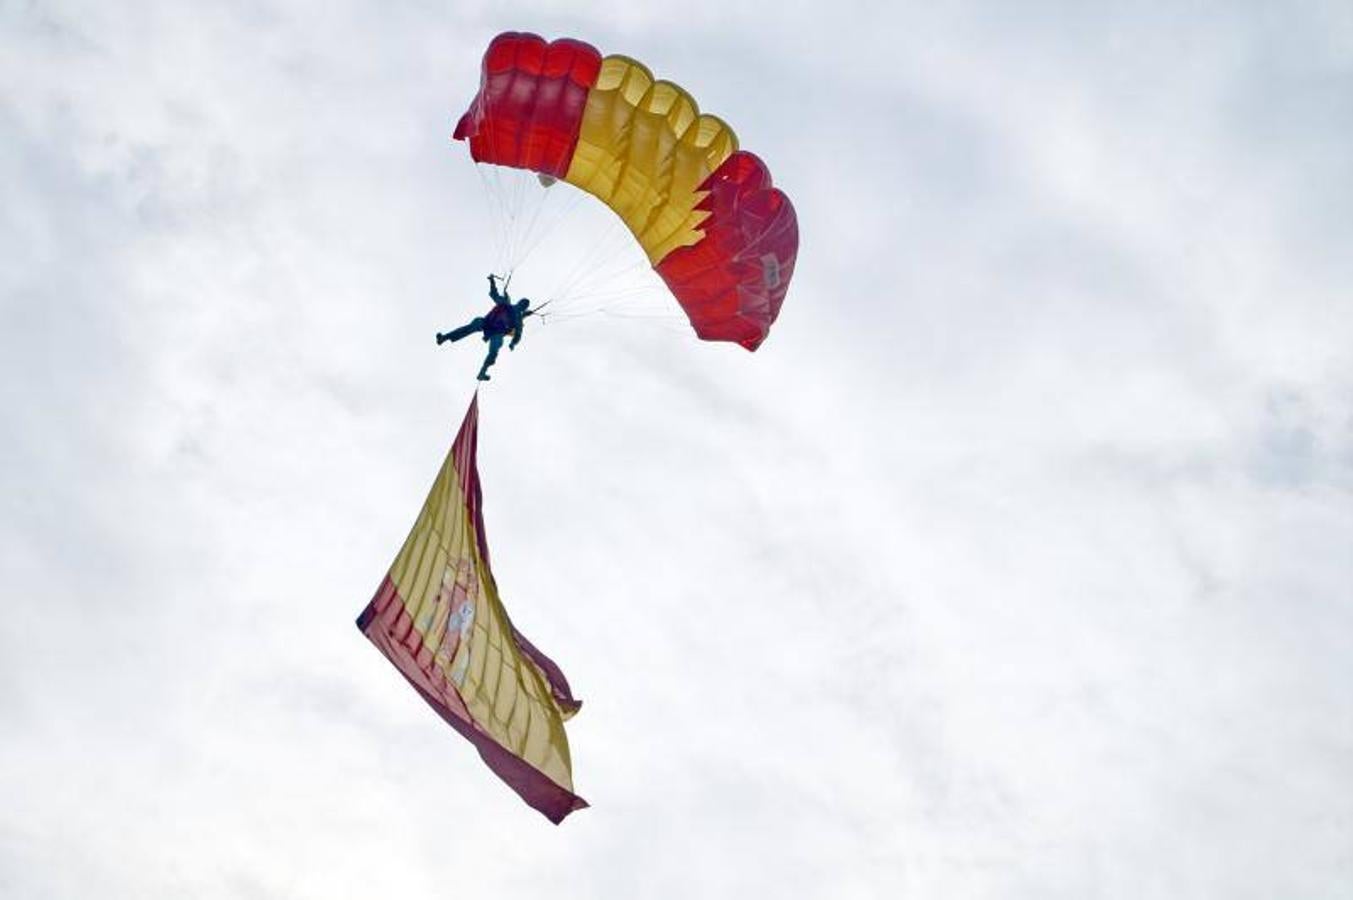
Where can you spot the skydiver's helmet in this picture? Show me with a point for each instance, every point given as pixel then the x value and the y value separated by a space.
pixel 522 306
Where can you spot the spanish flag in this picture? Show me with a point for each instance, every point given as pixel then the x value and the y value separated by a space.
pixel 437 616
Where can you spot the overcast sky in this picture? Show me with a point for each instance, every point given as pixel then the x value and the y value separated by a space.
pixel 1018 563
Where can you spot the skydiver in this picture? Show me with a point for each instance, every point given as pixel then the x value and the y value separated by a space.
pixel 505 318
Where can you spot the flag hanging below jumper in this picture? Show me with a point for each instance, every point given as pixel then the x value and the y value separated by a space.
pixel 437 616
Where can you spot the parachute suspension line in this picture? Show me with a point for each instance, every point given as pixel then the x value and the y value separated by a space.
pixel 524 216
pixel 523 212
pixel 509 182
pixel 619 292
pixel 673 324
pixel 521 234
pixel 616 275
pixel 494 187
pixel 616 279
pixel 547 224
pixel 670 324
pixel 501 214
pixel 503 184
pixel 598 282
pixel 612 270
pixel 559 291
pixel 582 270
pixel 522 224
pixel 592 264
pixel 629 303
pixel 495 213
pixel 506 217
pixel 517 212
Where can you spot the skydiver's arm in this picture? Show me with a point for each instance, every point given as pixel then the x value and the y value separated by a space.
pixel 501 299
pixel 516 335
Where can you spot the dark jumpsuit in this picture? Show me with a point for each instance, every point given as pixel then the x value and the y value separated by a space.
pixel 505 318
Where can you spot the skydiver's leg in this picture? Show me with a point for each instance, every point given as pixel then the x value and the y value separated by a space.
pixel 463 331
pixel 495 342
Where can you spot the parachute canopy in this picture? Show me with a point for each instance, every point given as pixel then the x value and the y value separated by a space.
pixel 715 229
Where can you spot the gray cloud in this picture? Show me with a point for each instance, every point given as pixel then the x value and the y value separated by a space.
pixel 1014 564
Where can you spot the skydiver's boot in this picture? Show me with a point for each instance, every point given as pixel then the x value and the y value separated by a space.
pixel 495 341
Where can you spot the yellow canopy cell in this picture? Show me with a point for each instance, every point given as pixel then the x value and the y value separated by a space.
pixel 643 149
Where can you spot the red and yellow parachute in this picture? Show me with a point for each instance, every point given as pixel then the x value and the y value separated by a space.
pixel 714 228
